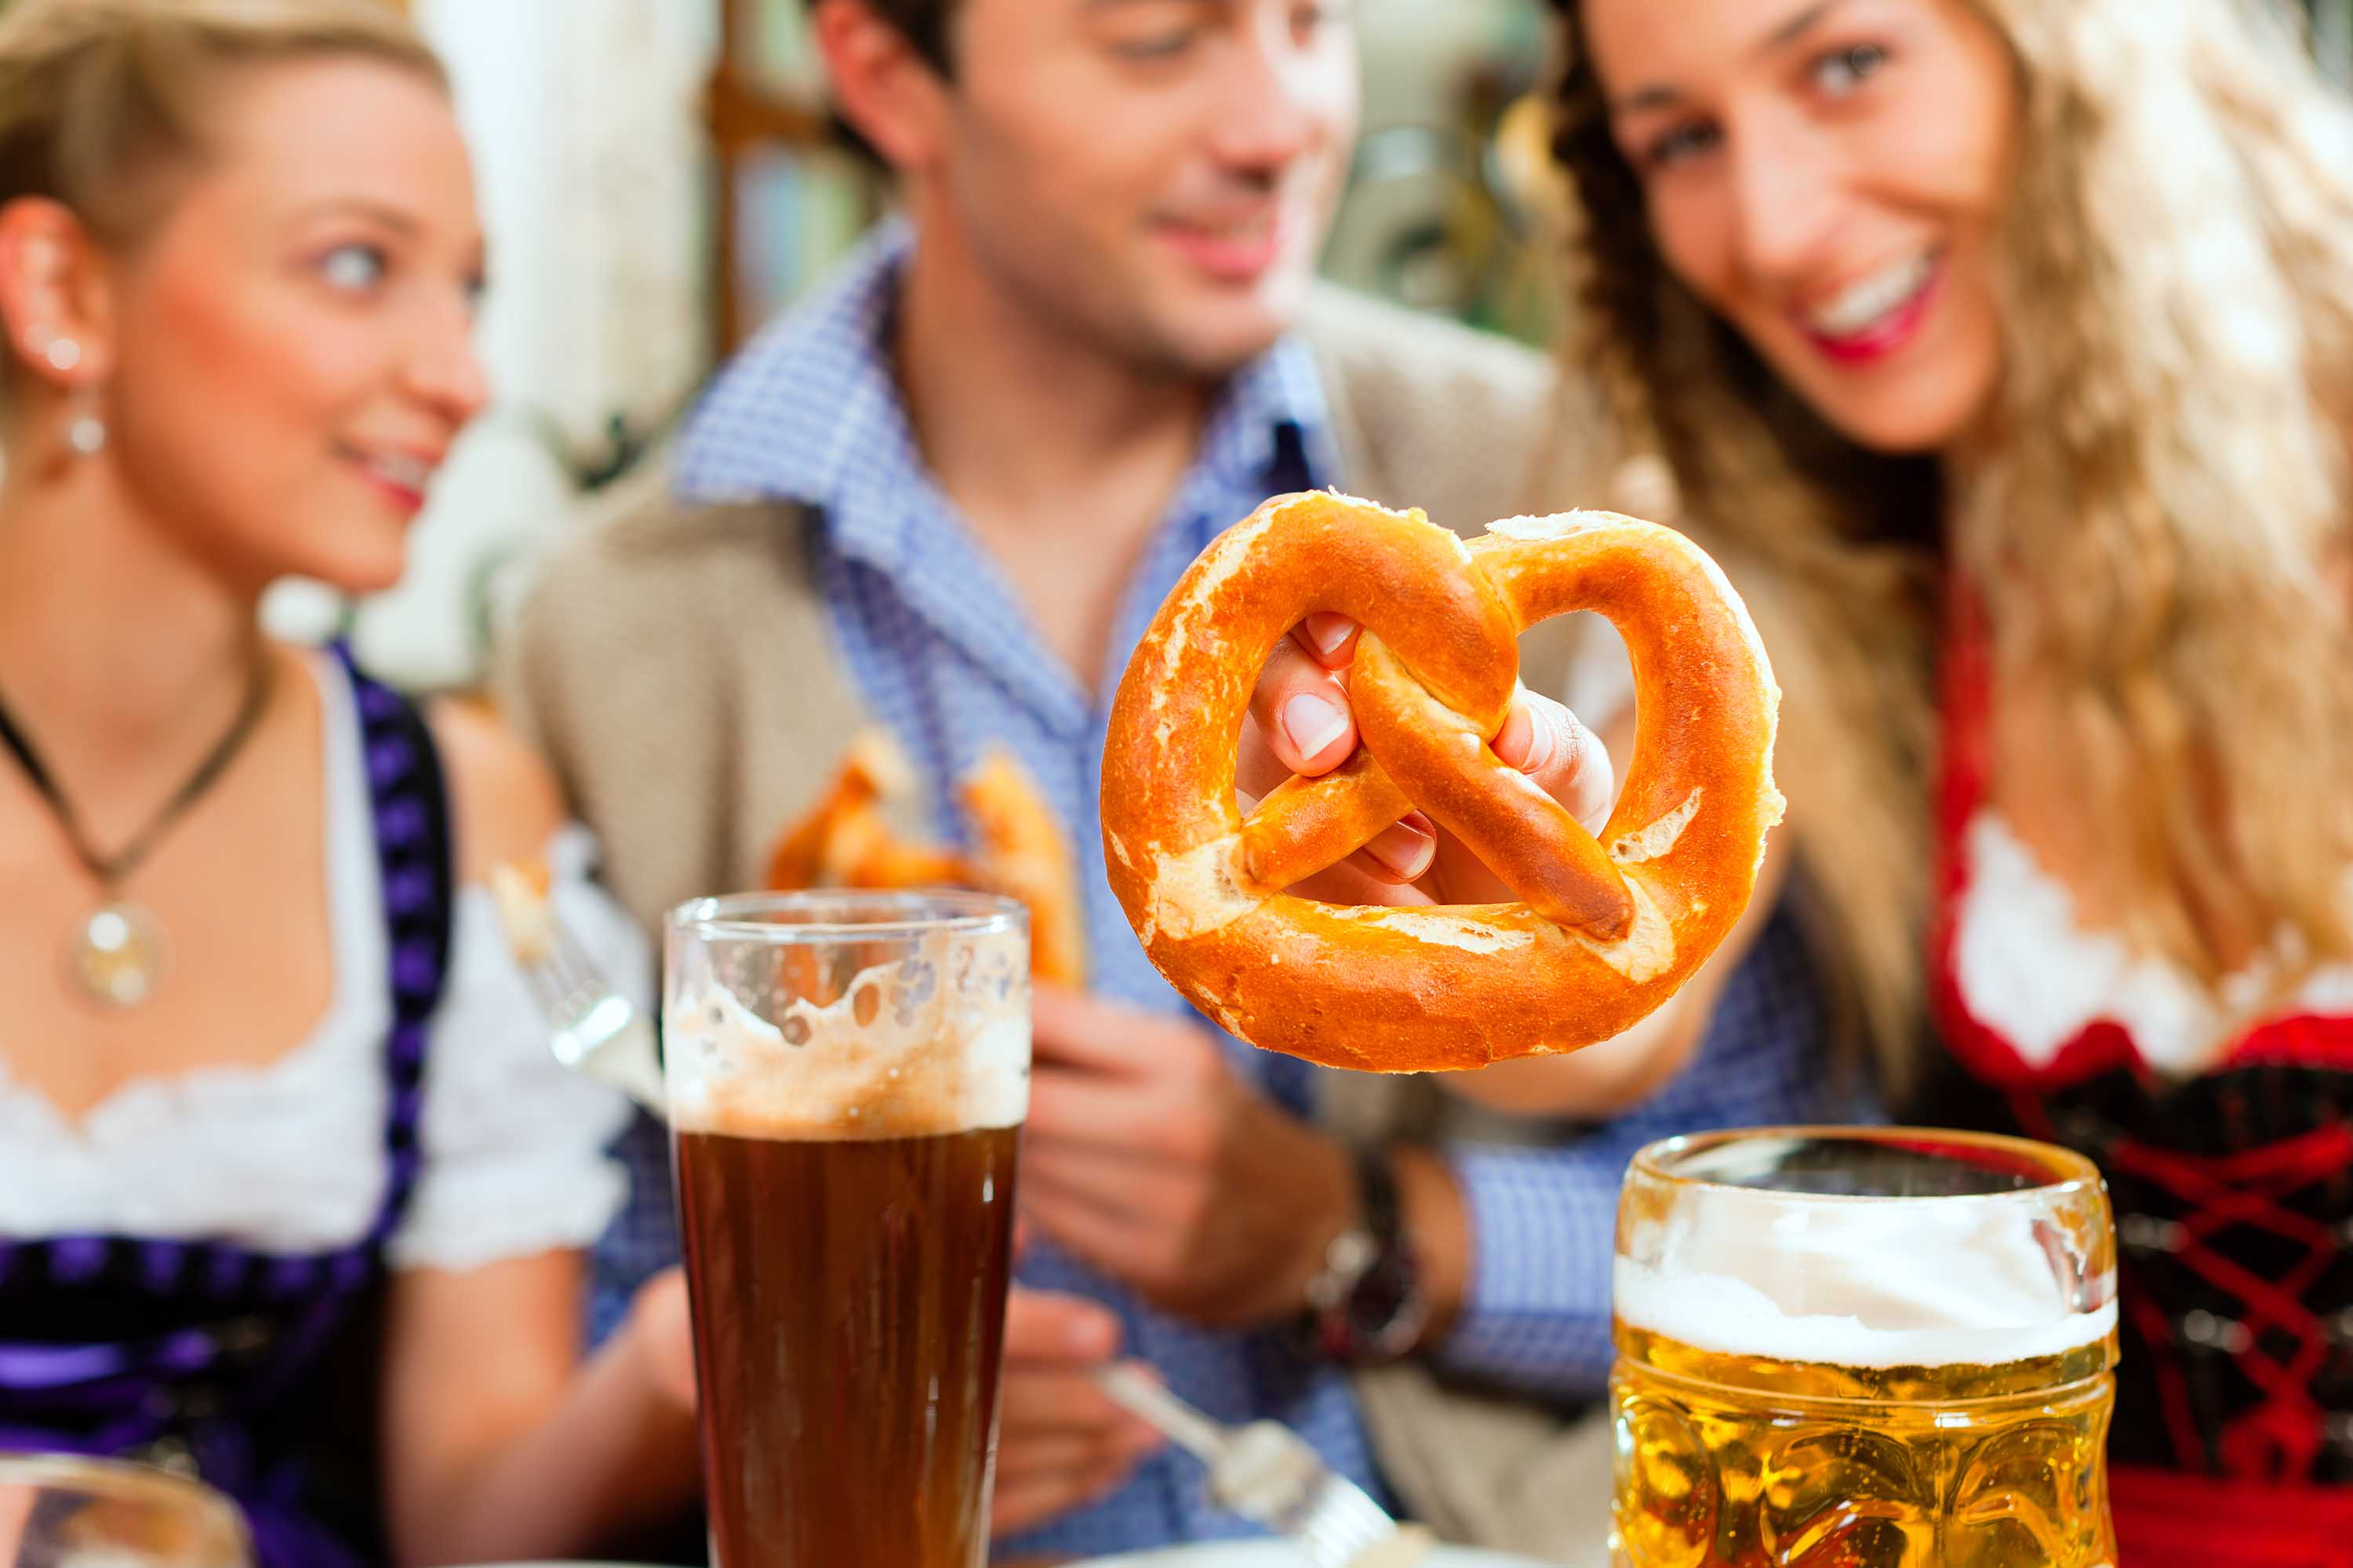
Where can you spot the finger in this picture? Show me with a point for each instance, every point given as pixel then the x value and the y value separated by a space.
pixel 1038 1499
pixel 1402 851
pixel 1047 1328
pixel 1088 1109
pixel 1257 769
pixel 1093 1229
pixel 1078 1031
pixel 1303 715
pixel 1134 1188
pixel 1350 883
pixel 1544 741
pixel 1327 638
pixel 1404 854
pixel 1057 1454
pixel 1040 1403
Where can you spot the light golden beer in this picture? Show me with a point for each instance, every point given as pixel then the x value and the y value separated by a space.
pixel 1855 1378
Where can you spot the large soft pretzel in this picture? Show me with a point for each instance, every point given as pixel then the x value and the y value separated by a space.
pixel 1605 930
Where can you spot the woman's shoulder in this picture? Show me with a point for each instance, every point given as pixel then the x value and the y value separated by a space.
pixel 505 804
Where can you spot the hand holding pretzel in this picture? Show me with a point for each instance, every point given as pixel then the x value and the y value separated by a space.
pixel 1301 724
pixel 1600 936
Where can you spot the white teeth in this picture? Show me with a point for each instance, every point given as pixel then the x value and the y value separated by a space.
pixel 1251 228
pixel 407 472
pixel 1862 304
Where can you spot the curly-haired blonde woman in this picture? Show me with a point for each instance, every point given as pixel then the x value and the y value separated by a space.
pixel 2003 350
pixel 291 1192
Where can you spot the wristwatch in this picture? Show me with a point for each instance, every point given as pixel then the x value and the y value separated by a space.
pixel 1367 1306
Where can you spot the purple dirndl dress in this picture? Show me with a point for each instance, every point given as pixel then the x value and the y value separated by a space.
pixel 254 1370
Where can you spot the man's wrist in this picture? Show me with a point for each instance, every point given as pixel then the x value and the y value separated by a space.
pixel 1437 1220
pixel 1367 1304
pixel 1330 1210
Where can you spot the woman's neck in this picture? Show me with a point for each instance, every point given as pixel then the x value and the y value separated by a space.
pixel 121 654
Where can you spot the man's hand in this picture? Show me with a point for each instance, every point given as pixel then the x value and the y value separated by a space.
pixel 1061 1443
pixel 1148 1156
pixel 1300 722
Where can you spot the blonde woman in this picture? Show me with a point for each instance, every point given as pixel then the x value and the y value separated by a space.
pixel 2004 352
pixel 287 1178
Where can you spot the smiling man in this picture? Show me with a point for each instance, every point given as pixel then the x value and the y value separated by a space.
pixel 944 495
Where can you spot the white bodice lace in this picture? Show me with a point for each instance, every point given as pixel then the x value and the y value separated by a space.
pixel 289 1157
pixel 2035 977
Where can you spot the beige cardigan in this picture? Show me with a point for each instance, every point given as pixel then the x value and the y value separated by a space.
pixel 673 664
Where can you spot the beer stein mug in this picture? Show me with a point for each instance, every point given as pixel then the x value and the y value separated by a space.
pixel 848 1074
pixel 1882 1348
pixel 66 1511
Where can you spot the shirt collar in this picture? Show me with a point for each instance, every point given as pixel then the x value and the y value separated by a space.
pixel 808 411
pixel 811 412
pixel 1279 388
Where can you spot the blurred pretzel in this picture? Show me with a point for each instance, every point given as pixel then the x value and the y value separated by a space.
pixel 846 839
pixel 1605 930
pixel 1023 854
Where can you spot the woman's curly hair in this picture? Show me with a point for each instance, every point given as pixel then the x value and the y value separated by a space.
pixel 2153 518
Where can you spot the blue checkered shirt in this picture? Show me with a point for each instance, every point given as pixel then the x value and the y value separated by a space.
pixel 944 653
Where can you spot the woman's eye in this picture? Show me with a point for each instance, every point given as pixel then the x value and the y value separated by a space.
pixel 1156 45
pixel 1842 70
pixel 1680 144
pixel 354 268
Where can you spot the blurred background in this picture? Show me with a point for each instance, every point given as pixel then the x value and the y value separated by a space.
pixel 659 178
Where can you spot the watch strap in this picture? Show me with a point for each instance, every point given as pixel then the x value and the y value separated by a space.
pixel 1366 1305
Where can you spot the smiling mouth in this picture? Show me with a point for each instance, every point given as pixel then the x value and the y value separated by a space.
pixel 1258 226
pixel 1870 306
pixel 403 474
pixel 1238 250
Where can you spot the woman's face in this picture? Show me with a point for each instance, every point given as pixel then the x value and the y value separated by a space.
pixel 291 344
pixel 1826 176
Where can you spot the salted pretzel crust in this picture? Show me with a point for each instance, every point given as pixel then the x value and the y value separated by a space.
pixel 1605 929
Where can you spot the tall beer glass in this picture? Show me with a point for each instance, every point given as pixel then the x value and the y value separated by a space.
pixel 848 1074
pixel 1866 1347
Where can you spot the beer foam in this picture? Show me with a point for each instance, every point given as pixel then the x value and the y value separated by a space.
pixel 935 1043
pixel 1875 1282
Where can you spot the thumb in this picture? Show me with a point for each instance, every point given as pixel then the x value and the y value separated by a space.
pixel 1544 741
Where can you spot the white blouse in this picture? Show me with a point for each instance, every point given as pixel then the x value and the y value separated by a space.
pixel 2029 971
pixel 289 1157
pixel 2036 978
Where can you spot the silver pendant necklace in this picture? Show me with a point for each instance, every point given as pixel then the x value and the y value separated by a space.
pixel 117 956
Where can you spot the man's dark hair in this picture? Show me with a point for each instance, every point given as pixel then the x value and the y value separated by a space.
pixel 925 24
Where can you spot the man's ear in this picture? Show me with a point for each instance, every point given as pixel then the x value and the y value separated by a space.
pixel 888 92
pixel 55 302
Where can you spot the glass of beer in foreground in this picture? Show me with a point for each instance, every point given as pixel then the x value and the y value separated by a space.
pixel 1866 1347
pixel 848 1074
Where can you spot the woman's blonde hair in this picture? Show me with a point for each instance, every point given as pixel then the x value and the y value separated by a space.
pixel 2149 516
pixel 101 100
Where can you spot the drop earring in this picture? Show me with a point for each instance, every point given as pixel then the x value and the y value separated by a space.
pixel 86 434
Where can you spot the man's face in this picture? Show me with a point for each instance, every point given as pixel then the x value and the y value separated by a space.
pixel 1152 177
